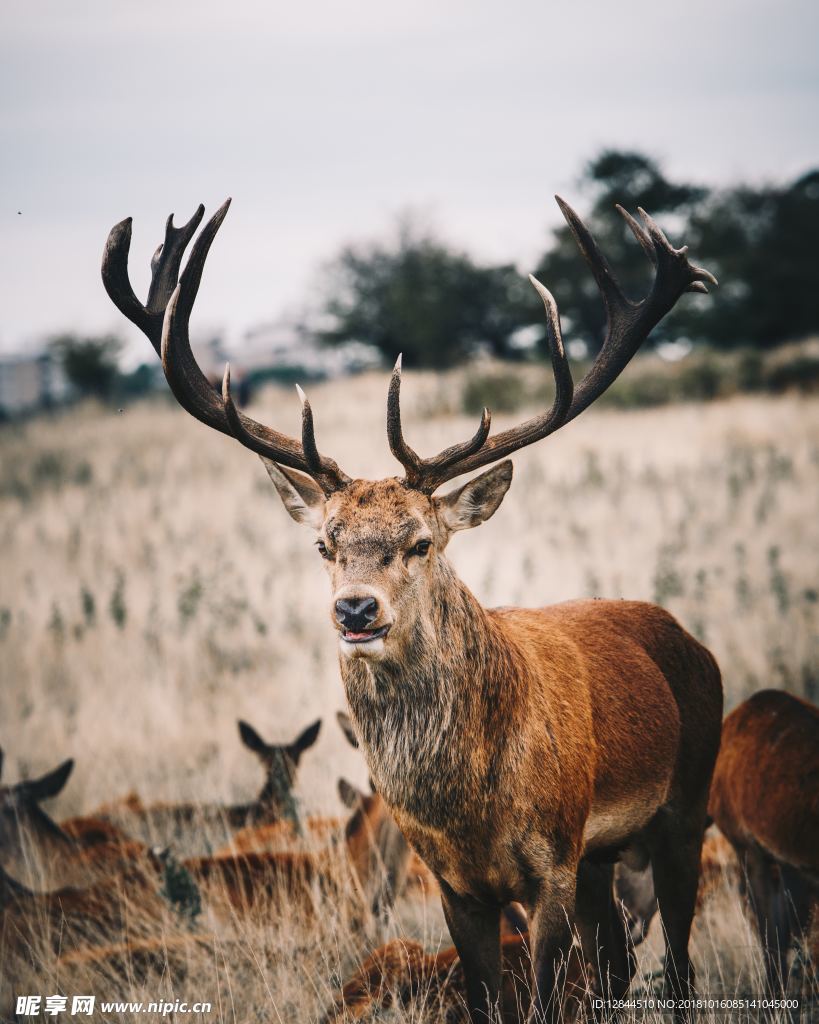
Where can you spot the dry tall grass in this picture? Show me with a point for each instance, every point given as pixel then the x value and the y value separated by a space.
pixel 154 590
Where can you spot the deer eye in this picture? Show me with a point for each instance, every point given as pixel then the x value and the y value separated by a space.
pixel 322 547
pixel 421 548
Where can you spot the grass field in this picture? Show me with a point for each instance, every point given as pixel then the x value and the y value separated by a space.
pixel 154 590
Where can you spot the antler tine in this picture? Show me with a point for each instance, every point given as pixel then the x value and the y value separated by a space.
pixel 308 434
pixel 193 391
pixel 408 458
pixel 165 318
pixel 613 297
pixel 638 232
pixel 426 474
pixel 628 326
pixel 164 273
pixel 630 323
pixel 190 386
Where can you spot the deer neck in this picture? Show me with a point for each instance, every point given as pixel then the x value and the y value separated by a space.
pixel 436 722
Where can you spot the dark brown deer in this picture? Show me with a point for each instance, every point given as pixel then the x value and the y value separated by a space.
pixel 765 799
pixel 521 752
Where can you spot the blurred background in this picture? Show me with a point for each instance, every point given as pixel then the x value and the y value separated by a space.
pixel 392 171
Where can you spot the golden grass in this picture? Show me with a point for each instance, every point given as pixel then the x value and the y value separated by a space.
pixel 154 590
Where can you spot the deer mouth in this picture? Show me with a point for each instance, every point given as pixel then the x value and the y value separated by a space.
pixel 366 637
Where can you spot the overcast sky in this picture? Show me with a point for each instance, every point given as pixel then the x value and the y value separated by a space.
pixel 325 120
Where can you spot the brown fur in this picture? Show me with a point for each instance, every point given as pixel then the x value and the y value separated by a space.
pixel 89 831
pixel 73 918
pixel 77 853
pixel 403 869
pixel 519 749
pixel 280 836
pixel 401 971
pixel 137 959
pixel 765 798
pixel 251 877
pixel 635 888
pixel 179 823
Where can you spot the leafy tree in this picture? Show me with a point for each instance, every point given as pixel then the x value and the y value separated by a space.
pixel 90 364
pixel 632 180
pixel 417 296
pixel 761 245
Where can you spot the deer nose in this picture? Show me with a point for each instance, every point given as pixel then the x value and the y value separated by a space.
pixel 356 613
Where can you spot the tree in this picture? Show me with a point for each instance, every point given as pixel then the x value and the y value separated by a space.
pixel 90 364
pixel 417 296
pixel 760 242
pixel 632 180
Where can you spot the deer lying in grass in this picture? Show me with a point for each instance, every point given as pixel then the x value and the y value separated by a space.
pixel 765 798
pixel 74 917
pixel 139 959
pixel 401 972
pixel 521 752
pixel 179 824
pixel 252 878
pixel 35 850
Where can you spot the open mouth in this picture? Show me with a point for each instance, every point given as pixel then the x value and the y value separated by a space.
pixel 348 636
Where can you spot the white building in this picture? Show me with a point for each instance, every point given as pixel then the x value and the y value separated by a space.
pixel 30 382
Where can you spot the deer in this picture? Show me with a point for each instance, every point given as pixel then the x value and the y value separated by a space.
pixel 175 823
pixel 247 879
pixel 522 752
pixel 401 866
pixel 141 959
pixel 634 888
pixel 765 800
pixel 74 916
pixel 38 850
pixel 400 971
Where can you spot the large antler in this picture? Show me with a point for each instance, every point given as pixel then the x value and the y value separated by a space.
pixel 628 326
pixel 165 318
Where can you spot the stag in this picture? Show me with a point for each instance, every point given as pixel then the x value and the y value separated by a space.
pixel 765 799
pixel 522 752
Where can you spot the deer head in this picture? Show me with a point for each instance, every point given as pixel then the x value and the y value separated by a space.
pixel 280 762
pixel 383 542
pixel 28 836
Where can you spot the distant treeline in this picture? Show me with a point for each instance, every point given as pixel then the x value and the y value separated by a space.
pixel 418 296
pixel 415 294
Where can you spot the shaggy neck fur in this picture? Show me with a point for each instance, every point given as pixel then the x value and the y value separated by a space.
pixel 439 723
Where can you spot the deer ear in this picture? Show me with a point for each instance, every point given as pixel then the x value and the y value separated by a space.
pixel 477 500
pixel 343 720
pixel 306 739
pixel 50 784
pixel 350 795
pixel 251 739
pixel 302 497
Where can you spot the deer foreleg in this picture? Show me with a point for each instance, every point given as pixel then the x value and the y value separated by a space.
pixel 475 930
pixel 551 935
